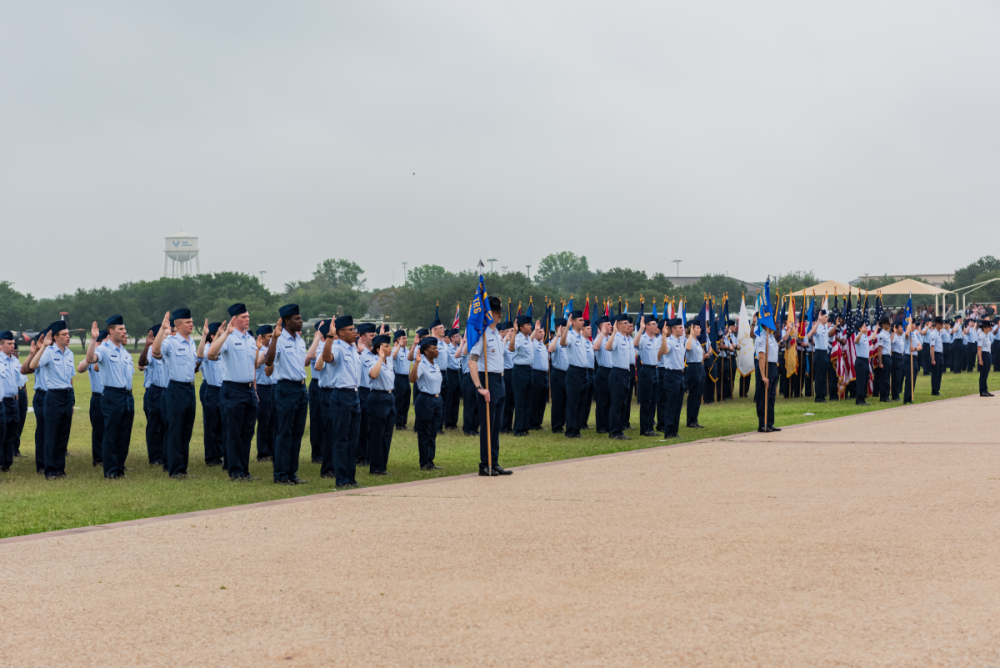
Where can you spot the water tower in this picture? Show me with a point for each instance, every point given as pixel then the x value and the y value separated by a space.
pixel 180 250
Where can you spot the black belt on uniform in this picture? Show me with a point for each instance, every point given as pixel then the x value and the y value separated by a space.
pixel 117 389
pixel 383 391
pixel 182 382
pixel 345 389
pixel 95 394
pixel 293 382
pixel 527 366
pixel 62 389
pixel 233 382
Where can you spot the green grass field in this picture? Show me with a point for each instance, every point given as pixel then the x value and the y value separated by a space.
pixel 30 504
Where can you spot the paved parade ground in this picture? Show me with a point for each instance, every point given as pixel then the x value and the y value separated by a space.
pixel 866 540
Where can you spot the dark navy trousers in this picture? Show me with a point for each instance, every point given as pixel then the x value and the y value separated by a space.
pixel 316 401
pixel 576 396
pixel 428 410
pixel 291 404
pixel 489 438
pixel 694 383
pixel 361 450
pixel 649 391
pixel 179 407
pixel 602 397
pixel 211 418
pixel 8 431
pixel 984 372
pixel 38 403
pixel 381 423
pixel 22 415
pixel 673 400
pixel 118 410
pixel 401 393
pixel 96 428
pixel 522 398
pixel 265 421
pixel 152 407
pixel 58 421
pixel 507 417
pixel 557 416
pixel 239 404
pixel 342 416
pixel 618 389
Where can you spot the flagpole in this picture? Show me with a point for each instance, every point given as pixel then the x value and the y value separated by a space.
pixel 767 371
pixel 486 375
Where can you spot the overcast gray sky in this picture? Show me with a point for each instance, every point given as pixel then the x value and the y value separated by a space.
pixel 748 137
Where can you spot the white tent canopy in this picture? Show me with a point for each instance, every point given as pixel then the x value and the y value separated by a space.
pixel 908 285
pixel 827 288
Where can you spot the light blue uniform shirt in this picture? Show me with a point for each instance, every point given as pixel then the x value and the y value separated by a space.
pixel 444 352
pixel 898 343
pixel 40 384
pixel 649 349
pixel 262 377
pixel 984 340
pixel 927 335
pixel 155 372
pixel 937 341
pixel 179 355
pixel 346 366
pixel 576 349
pixel 386 380
pixel 523 350
pixel 916 341
pixel 766 342
pixel 602 355
pixel 454 363
pixel 465 362
pixel 696 355
pixel 560 357
pixel 673 359
pixel 323 375
pixel 211 372
pixel 59 368
pixel 116 366
pixel 238 357
pixel 540 357
pixel 400 364
pixel 946 334
pixel 821 338
pixel 885 342
pixel 289 357
pixel 862 346
pixel 622 353
pixel 508 359
pixel 493 343
pixel 365 358
pixel 428 377
pixel 10 375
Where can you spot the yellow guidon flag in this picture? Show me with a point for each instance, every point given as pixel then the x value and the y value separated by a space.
pixel 791 351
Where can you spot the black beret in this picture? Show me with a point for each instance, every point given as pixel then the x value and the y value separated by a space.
pixel 504 326
pixel 422 331
pixel 427 342
pixel 560 322
pixel 155 329
pixel 436 323
pixel 496 304
pixel 985 322
pixel 586 322
pixel 379 340
pixel 398 334
pixel 323 327
pixel 621 317
pixel 237 309
pixel 938 320
pixel 57 326
pixel 576 314
pixel 288 309
pixel 523 320
pixel 114 320
pixel 675 322
pixel 822 311
pixel 600 321
pixel 103 334
pixel 343 321
pixel 452 332
pixel 180 314
pixel 264 329
pixel 365 328
pixel 172 325
pixel 885 320
pixel 6 335
pixel 213 327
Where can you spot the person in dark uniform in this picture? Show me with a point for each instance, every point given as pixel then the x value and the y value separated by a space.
pixel 117 404
pixel 588 401
pixel 342 412
pixel 37 400
pixel 56 359
pixel 898 348
pixel 235 351
pixel 209 393
pixel 22 402
pixel 155 381
pixel 819 334
pixel 911 361
pixel 507 423
pixel 96 416
pixel 602 392
pixel 884 352
pixel 766 389
pixel 694 373
pixel 523 351
pixel 316 398
pixel 648 342
pixel 10 375
pixel 401 371
pixel 573 345
pixel 486 370
pixel 265 397
pixel 286 354
pixel 366 333
pixel 560 366
pixel 453 369
pixel 539 378
pixel 984 342
pixel 620 352
pixel 381 406
pixel 470 406
pixel 862 365
pixel 428 408
pixel 673 347
pixel 180 356
pixel 420 333
pixel 936 356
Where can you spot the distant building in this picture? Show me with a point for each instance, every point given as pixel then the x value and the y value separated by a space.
pixel 937 280
pixel 683 281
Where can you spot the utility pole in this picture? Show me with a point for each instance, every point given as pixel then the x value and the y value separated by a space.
pixel 262 276
pixel 503 268
pixel 528 266
pixel 404 272
pixel 491 261
pixel 678 263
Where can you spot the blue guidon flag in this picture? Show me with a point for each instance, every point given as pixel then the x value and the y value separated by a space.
pixel 766 315
pixel 480 316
